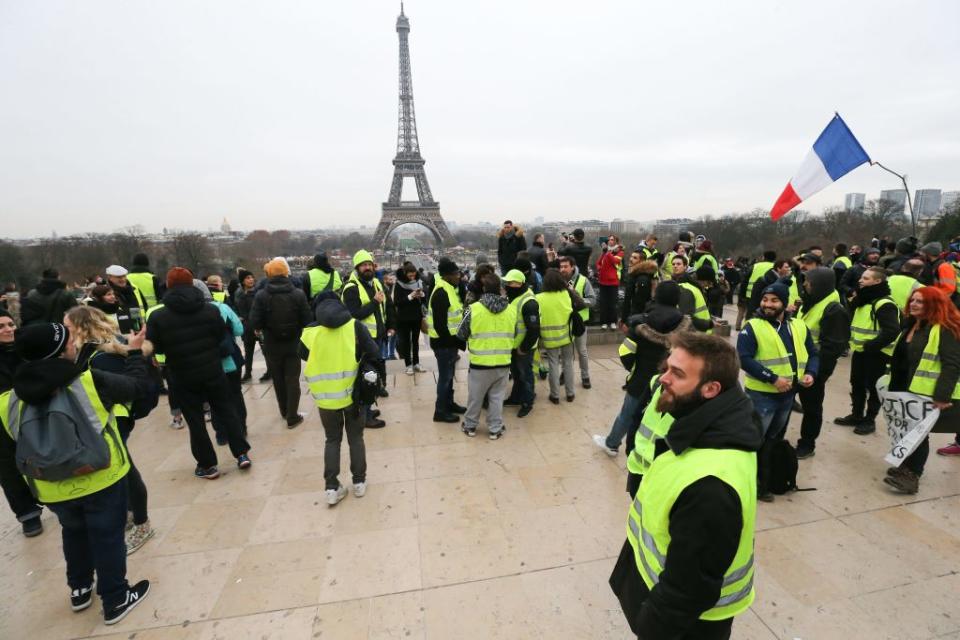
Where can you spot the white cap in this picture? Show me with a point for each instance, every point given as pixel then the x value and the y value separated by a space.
pixel 116 270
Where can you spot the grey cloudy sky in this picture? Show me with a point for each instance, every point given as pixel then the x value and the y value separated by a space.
pixel 283 114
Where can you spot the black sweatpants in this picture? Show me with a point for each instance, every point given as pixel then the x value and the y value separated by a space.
pixel 216 393
pixel 284 366
pixel 811 399
pixel 607 303
pixel 408 343
pixel 865 369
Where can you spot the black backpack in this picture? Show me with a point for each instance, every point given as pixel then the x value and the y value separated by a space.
pixel 282 319
pixel 60 439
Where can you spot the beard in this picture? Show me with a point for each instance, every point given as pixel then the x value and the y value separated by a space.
pixel 679 405
pixel 367 275
pixel 771 314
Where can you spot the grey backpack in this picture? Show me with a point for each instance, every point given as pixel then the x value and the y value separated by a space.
pixel 61 438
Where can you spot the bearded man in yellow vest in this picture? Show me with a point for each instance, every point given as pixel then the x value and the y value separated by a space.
pixel 777 354
pixel 829 327
pixel 333 348
pixel 686 569
pixel 363 296
pixel 581 285
pixel 874 329
pixel 91 504
pixel 489 327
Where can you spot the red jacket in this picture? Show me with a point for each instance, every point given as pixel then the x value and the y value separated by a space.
pixel 607 267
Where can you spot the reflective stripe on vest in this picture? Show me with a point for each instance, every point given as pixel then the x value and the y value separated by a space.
pixel 332 364
pixel 813 317
pixel 772 353
pixel 758 271
pixel 320 280
pixel 491 335
pixel 369 321
pixel 700 310
pixel 654 426
pixel 579 286
pixel 143 282
pixel 864 327
pixel 521 330
pixel 84 390
pixel 555 310
pixel 454 312
pixel 928 371
pixel 648 523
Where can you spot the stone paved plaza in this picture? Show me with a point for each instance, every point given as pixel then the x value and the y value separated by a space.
pixel 468 538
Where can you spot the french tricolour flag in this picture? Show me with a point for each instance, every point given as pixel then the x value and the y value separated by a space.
pixel 835 153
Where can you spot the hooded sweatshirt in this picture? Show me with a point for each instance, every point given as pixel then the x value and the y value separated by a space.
pixel 47 303
pixel 835 322
pixel 888 316
pixel 495 303
pixel 705 524
pixel 331 313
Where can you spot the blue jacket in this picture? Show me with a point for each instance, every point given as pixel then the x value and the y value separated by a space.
pixel 232 320
pixel 747 350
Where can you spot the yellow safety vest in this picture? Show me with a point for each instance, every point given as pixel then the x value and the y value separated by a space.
pixel 700 311
pixel 708 257
pixel 454 312
pixel 628 346
pixel 654 426
pixel 579 287
pixel 648 524
pixel 161 358
pixel 369 321
pixel 813 317
pixel 843 260
pixel 320 280
pixel 928 371
pixel 332 364
pixel 864 326
pixel 901 288
pixel 517 304
pixel 772 353
pixel 84 390
pixel 666 269
pixel 491 335
pixel 555 310
pixel 219 296
pixel 759 269
pixel 143 282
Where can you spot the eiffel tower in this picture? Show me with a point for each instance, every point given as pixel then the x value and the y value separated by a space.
pixel 408 163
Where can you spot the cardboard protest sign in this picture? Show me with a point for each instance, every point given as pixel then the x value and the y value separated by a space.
pixel 909 416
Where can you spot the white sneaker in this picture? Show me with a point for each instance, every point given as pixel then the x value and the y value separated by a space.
pixel 601 442
pixel 336 495
pixel 603 327
pixel 419 368
pixel 359 489
pixel 409 371
pixel 176 422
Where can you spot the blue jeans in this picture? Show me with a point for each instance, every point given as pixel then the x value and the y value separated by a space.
pixel 628 416
pixel 774 411
pixel 446 363
pixel 93 541
pixel 521 368
pixel 388 347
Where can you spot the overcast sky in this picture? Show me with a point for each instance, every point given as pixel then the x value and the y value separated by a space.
pixel 283 114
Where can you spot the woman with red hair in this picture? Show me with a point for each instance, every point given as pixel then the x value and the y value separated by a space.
pixel 926 361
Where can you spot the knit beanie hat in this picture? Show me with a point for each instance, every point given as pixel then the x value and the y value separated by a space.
pixel 933 249
pixel 780 290
pixel 706 273
pixel 706 245
pixel 276 268
pixel 242 274
pixel 362 256
pixel 41 341
pixel 667 294
pixel 141 260
pixel 446 266
pixel 178 276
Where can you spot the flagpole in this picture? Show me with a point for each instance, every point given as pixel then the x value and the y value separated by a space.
pixel 913 219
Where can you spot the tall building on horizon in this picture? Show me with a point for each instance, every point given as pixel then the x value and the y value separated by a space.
pixel 898 197
pixel 949 200
pixel 926 203
pixel 854 201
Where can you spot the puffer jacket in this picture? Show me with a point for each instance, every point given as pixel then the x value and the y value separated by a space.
pixel 188 331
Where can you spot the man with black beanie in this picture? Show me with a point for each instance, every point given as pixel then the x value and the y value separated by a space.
pixel 444 313
pixel 150 288
pixel 322 277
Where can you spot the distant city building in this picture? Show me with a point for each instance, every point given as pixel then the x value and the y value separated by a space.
pixel 949 200
pixel 623 227
pixel 225 227
pixel 897 197
pixel 854 201
pixel 926 203
pixel 667 229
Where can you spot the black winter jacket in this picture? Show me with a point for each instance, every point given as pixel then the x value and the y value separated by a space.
pixel 440 305
pixel 9 361
pixel 280 310
pixel 638 289
pixel 508 247
pixel 651 332
pixel 538 257
pixel 705 526
pixel 888 316
pixel 580 252
pixel 188 331
pixel 47 303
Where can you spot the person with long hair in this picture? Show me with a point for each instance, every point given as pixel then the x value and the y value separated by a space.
pixel 95 339
pixel 926 361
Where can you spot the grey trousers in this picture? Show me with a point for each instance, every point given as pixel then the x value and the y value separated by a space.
pixel 490 383
pixel 562 354
pixel 334 425
pixel 580 345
